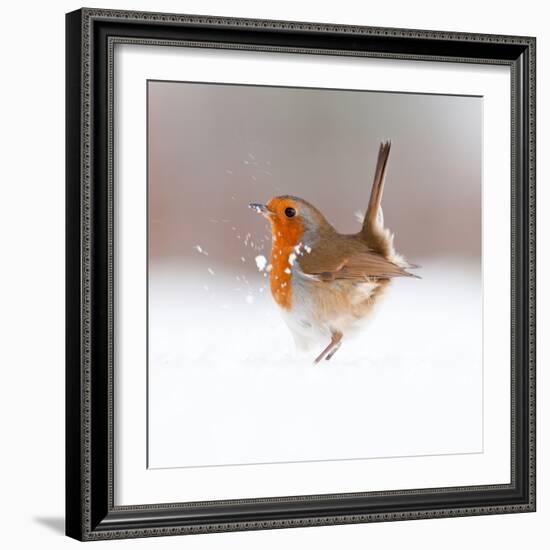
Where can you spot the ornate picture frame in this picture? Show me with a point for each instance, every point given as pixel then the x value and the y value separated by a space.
pixel 91 327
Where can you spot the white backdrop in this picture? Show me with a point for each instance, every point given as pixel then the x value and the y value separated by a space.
pixel 32 280
pixel 282 444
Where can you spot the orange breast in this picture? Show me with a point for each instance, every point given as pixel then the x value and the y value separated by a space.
pixel 286 234
pixel 281 275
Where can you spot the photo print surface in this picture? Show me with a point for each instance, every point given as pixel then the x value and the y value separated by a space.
pixel 290 317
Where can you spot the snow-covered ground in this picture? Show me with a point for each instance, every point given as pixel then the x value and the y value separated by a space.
pixel 226 387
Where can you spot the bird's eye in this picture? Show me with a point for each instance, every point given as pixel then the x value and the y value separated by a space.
pixel 290 212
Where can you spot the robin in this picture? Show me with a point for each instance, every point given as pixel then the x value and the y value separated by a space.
pixel 325 282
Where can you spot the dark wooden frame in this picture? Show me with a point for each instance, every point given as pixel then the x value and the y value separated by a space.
pixel 90 510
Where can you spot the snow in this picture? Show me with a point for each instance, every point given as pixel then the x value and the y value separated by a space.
pixel 255 208
pixel 227 387
pixel 261 262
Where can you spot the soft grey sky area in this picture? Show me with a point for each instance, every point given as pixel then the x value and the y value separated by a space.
pixel 214 148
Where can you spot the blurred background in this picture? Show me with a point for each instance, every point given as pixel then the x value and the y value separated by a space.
pixel 220 353
pixel 214 148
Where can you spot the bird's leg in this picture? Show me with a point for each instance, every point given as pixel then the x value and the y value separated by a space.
pixel 334 350
pixel 331 349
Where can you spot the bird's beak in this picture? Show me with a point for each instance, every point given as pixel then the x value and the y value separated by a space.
pixel 260 208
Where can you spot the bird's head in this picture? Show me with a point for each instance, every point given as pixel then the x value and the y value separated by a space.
pixel 293 220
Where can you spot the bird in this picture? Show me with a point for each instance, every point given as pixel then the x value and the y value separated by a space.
pixel 327 283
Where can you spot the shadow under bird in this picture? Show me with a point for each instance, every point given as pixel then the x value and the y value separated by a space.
pixel 327 283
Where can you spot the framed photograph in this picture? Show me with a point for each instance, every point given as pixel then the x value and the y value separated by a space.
pixel 300 274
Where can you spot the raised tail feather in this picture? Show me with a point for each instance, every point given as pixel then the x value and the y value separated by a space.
pixel 373 232
pixel 378 238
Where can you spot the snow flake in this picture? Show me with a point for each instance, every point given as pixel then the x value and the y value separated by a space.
pixel 287 270
pixel 261 262
pixel 211 271
pixel 291 258
pixel 255 208
pixel 200 250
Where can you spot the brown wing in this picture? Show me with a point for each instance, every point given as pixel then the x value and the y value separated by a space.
pixel 348 259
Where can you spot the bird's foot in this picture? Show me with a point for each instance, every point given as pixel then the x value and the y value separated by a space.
pixel 335 349
pixel 331 349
